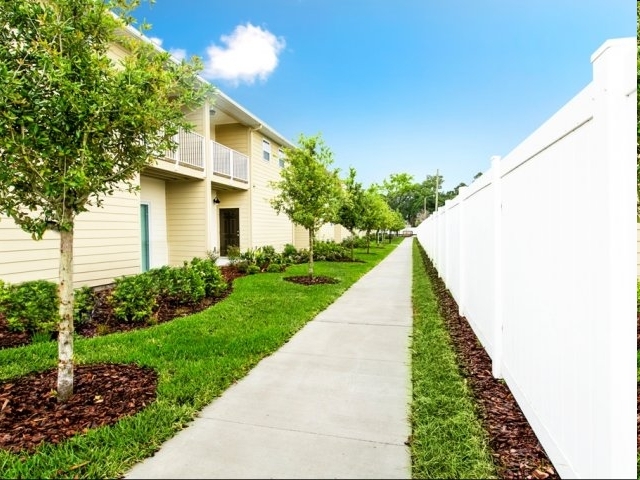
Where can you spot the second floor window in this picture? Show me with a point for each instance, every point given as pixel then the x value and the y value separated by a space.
pixel 281 158
pixel 266 150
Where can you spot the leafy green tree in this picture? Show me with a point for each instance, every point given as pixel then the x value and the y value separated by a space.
pixel 310 194
pixel 413 200
pixel 373 213
pixel 397 222
pixel 75 125
pixel 351 209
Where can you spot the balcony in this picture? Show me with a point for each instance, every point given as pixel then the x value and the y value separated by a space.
pixel 190 151
pixel 228 163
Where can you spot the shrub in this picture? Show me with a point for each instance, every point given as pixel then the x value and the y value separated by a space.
pixel 214 282
pixel 134 298
pixel 83 305
pixel 289 250
pixel 330 251
pixel 253 269
pixel 30 306
pixel 178 284
pixel 212 255
pixel 233 253
pixel 358 242
pixel 275 268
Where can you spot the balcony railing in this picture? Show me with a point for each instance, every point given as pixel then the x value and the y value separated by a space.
pixel 190 150
pixel 229 163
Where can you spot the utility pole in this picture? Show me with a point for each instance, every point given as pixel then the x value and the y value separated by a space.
pixel 437 187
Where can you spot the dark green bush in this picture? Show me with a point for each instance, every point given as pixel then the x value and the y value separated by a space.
pixel 214 283
pixel 30 306
pixel 253 269
pixel 358 242
pixel 330 251
pixel 83 305
pixel 134 298
pixel 178 284
pixel 233 253
pixel 275 268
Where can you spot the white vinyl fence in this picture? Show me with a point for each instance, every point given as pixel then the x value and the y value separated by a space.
pixel 540 252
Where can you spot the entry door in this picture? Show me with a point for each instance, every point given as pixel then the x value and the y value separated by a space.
pixel 144 236
pixel 229 229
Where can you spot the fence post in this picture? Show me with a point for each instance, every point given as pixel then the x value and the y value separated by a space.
pixel 496 360
pixel 462 291
pixel 615 109
pixel 447 243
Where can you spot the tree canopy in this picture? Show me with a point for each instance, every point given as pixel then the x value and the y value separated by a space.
pixel 310 193
pixel 75 125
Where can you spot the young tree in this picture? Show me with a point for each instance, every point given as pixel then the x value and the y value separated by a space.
pixel 397 223
pixel 373 213
pixel 75 126
pixel 310 193
pixel 351 209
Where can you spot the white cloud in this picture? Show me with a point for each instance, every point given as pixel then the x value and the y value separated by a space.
pixel 249 53
pixel 178 53
pixel 156 40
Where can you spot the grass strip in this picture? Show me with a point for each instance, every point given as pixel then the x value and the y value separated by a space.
pixel 448 440
pixel 197 358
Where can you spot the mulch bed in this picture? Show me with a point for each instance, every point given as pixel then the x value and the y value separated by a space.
pixel 102 394
pixel 515 447
pixel 307 280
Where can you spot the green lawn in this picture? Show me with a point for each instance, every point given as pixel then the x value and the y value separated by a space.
pixel 200 356
pixel 448 440
pixel 196 357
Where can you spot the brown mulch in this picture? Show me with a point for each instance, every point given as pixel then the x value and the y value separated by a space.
pixel 102 394
pixel 307 280
pixel 516 450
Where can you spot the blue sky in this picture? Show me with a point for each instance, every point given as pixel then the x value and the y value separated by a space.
pixel 397 86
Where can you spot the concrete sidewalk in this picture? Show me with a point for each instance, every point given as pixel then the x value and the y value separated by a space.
pixel 333 402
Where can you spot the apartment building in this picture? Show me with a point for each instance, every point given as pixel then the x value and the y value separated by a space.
pixel 211 193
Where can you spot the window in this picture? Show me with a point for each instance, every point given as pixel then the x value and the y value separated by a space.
pixel 281 158
pixel 266 150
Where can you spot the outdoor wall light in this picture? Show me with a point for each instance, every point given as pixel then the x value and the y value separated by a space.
pixel 216 199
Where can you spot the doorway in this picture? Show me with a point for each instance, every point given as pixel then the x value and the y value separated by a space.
pixel 144 236
pixel 229 229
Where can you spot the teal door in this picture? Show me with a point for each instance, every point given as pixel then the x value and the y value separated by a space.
pixel 144 236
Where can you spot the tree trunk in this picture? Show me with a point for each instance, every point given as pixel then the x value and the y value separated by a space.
pixel 311 239
pixel 351 244
pixel 368 239
pixel 65 327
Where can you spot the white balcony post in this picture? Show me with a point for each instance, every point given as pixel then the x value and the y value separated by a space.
pixel 231 164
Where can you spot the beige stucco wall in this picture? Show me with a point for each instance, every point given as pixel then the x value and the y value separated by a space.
pixel 106 245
